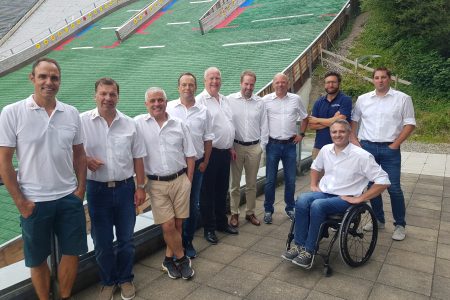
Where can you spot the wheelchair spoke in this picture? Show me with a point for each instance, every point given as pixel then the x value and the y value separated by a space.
pixel 356 244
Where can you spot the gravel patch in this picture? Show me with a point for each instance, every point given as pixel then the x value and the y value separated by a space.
pixel 438 148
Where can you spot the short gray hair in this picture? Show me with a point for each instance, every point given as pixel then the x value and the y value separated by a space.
pixel 155 89
pixel 280 75
pixel 211 69
pixel 345 123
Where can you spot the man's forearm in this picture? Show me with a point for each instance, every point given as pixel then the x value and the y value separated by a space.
pixel 316 126
pixel 190 161
pixel 404 134
pixel 80 166
pixel 375 190
pixel 139 170
pixel 354 134
pixel 9 175
pixel 315 176
pixel 304 125
pixel 208 149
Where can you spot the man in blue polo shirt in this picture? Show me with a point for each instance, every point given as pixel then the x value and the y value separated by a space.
pixel 327 109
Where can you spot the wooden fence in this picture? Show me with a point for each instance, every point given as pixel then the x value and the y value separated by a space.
pixel 355 63
pixel 301 68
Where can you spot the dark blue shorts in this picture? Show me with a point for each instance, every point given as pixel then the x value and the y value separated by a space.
pixel 65 217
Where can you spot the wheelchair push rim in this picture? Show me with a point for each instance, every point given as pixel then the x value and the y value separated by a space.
pixel 356 245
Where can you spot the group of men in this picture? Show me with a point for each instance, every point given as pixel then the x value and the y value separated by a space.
pixel 181 154
pixel 381 120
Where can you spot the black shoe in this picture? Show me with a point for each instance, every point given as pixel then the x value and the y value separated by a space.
pixel 211 237
pixel 185 267
pixel 228 229
pixel 171 269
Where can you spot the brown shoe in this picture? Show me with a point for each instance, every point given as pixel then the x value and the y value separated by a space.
pixel 252 218
pixel 234 220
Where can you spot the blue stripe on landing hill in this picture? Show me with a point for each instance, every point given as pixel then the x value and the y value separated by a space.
pixel 247 3
pixel 169 6
pixel 84 30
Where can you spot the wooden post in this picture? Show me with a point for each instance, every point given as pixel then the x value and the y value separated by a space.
pixel 321 56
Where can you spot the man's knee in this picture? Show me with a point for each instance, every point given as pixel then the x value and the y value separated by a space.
pixel 316 207
pixel 302 202
pixel 169 226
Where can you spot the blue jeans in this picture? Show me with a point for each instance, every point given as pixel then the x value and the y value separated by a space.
pixel 288 155
pixel 390 161
pixel 190 224
pixel 108 208
pixel 311 210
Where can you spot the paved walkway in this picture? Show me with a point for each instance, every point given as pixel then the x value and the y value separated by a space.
pixel 248 266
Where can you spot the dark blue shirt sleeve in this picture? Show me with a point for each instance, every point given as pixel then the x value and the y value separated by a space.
pixel 315 109
pixel 346 108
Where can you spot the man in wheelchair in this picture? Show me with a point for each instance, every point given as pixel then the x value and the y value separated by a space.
pixel 346 169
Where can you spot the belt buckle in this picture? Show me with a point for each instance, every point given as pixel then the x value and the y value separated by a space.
pixel 111 184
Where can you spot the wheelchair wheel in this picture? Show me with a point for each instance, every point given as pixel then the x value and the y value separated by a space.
pixel 356 245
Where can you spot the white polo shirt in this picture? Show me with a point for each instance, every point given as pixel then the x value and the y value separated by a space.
pixel 349 172
pixel 222 121
pixel 381 119
pixel 283 115
pixel 167 146
pixel 116 146
pixel 249 118
pixel 199 121
pixel 43 147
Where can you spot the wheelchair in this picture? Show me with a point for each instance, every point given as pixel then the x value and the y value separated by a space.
pixel 355 244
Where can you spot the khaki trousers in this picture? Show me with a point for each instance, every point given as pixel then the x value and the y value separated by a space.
pixel 248 158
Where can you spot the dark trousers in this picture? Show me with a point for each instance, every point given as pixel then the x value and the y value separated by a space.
pixel 214 190
pixel 190 224
pixel 109 208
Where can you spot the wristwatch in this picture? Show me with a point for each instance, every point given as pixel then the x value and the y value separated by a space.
pixel 302 134
pixel 141 186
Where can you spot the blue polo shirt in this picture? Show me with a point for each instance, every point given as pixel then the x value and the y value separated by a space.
pixel 325 109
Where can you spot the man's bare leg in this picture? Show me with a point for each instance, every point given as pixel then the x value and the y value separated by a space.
pixel 172 237
pixel 67 272
pixel 179 225
pixel 40 276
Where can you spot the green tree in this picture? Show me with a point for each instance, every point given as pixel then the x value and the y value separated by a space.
pixel 427 21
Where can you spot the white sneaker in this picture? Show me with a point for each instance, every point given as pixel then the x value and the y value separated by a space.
pixel 369 226
pixel 399 233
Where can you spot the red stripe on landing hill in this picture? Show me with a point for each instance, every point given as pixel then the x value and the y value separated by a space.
pixel 149 22
pixel 231 17
pixel 61 46
pixel 114 45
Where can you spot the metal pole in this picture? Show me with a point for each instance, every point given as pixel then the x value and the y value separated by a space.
pixel 53 261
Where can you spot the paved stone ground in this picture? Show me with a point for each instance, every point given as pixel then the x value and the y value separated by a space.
pixel 248 266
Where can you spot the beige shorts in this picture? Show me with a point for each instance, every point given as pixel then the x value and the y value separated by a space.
pixel 169 199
